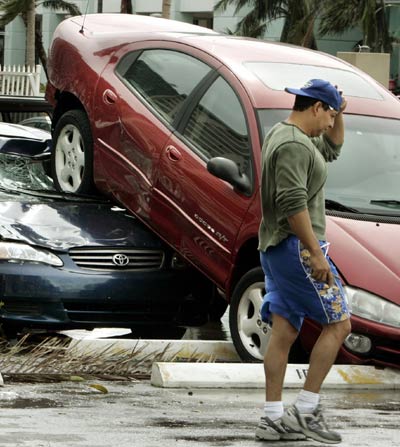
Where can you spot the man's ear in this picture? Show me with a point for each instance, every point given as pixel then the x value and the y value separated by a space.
pixel 315 107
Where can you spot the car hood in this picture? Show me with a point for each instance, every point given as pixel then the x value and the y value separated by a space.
pixel 367 254
pixel 19 131
pixel 62 225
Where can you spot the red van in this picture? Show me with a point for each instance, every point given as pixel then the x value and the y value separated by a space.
pixel 169 118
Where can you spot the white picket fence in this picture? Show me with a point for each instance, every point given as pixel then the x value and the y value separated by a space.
pixel 20 80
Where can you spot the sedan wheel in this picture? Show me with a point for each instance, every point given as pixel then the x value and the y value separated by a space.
pixel 249 333
pixel 72 157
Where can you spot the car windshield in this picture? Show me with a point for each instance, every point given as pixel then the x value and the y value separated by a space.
pixel 19 173
pixel 366 176
pixel 27 176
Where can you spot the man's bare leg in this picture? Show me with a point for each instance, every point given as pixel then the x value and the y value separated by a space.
pixel 324 353
pixel 283 335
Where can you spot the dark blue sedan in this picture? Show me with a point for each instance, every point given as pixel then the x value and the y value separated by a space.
pixel 69 261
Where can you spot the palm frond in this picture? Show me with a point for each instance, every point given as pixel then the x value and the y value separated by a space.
pixel 11 9
pixel 338 16
pixel 69 7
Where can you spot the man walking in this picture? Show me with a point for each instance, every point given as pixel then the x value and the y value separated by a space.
pixel 300 279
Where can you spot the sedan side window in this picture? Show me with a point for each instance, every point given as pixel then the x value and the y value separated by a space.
pixel 164 78
pixel 217 126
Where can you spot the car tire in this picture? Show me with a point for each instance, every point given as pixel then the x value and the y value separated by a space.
pixel 72 154
pixel 249 334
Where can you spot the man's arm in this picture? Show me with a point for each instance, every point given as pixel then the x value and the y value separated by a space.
pixel 300 223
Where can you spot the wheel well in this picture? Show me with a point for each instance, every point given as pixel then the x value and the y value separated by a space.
pixel 247 258
pixel 65 101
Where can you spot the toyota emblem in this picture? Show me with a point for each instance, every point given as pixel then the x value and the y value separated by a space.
pixel 120 260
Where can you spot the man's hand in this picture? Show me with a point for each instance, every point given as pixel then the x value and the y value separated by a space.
pixel 320 269
pixel 344 100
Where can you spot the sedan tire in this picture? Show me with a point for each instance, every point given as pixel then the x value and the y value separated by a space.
pixel 72 155
pixel 249 333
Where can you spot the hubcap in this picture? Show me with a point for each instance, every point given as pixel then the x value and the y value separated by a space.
pixel 70 158
pixel 253 332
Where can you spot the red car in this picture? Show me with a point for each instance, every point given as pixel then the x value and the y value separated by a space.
pixel 169 118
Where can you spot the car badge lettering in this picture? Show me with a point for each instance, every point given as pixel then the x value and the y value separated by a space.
pixel 120 260
pixel 212 230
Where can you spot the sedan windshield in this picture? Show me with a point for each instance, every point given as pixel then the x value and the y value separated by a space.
pixel 366 176
pixel 22 173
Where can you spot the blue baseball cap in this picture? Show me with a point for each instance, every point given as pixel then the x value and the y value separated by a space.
pixel 319 89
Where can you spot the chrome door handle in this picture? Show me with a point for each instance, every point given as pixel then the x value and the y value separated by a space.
pixel 172 153
pixel 109 97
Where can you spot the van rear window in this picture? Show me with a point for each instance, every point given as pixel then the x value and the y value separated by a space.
pixel 277 76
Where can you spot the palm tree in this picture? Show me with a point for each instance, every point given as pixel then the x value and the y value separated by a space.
pixel 166 9
pixel 126 7
pixel 335 16
pixel 341 15
pixel 298 15
pixel 27 9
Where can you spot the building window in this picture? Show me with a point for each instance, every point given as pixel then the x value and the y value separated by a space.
pixel 204 21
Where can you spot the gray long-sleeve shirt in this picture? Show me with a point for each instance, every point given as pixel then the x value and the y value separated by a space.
pixel 293 176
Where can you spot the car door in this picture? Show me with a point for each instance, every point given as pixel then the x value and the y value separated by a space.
pixel 201 213
pixel 139 99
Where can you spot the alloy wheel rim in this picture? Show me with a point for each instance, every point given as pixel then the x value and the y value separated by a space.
pixel 70 158
pixel 253 332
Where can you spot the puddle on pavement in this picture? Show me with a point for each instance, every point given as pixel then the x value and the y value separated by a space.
pixel 222 440
pixel 214 330
pixel 22 403
pixel 212 423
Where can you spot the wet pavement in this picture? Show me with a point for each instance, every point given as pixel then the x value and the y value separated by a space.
pixel 134 413
pixel 74 414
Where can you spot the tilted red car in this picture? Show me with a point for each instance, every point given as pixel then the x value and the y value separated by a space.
pixel 169 118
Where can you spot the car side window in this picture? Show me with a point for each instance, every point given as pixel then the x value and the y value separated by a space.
pixel 217 126
pixel 165 78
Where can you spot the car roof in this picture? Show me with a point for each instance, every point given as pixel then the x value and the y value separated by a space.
pixel 110 30
pixel 131 24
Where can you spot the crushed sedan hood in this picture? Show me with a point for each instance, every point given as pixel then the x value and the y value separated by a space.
pixel 18 131
pixel 367 254
pixel 62 225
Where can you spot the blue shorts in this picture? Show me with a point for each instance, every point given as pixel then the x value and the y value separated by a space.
pixel 291 291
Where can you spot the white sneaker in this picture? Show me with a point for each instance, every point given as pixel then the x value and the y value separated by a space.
pixel 313 425
pixel 268 430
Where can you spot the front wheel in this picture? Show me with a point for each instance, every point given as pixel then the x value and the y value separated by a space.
pixel 72 154
pixel 249 333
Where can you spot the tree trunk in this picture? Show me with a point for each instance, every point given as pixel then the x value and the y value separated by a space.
pixel 166 9
pixel 40 51
pixel 309 37
pixel 126 7
pixel 30 34
pixel 385 44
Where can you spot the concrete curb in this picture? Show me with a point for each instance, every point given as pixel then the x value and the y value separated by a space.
pixel 184 373
pixel 251 375
pixel 161 350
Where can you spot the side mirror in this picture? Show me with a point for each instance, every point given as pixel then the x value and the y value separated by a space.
pixel 228 170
